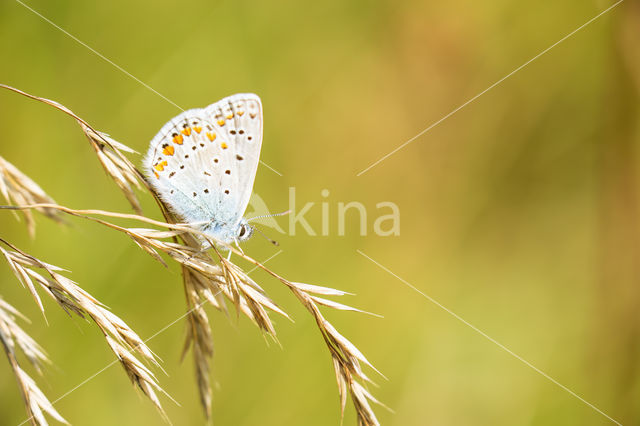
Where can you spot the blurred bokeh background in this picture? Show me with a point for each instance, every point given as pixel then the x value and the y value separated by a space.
pixel 519 213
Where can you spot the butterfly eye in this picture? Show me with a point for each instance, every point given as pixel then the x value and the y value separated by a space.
pixel 243 231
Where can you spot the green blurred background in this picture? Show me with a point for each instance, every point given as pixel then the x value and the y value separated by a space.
pixel 519 213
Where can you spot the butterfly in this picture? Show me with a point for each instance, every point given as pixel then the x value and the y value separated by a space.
pixel 202 164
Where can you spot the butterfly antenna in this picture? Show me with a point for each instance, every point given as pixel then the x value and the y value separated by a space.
pixel 269 215
pixel 274 242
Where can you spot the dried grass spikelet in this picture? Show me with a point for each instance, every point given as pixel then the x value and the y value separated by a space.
pixel 122 340
pixel 108 150
pixel 12 336
pixel 206 278
pixel 250 299
pixel 17 188
pixel 206 281
pixel 199 336
pixel 121 170
pixel 199 290
pixel 346 357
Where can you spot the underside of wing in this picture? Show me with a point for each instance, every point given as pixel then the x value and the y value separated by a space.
pixel 203 162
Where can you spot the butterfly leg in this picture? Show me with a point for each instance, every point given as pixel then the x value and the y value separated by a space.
pixel 238 245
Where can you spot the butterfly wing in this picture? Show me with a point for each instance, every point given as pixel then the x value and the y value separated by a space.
pixel 241 118
pixel 203 162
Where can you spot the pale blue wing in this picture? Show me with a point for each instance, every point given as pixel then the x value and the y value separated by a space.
pixel 203 162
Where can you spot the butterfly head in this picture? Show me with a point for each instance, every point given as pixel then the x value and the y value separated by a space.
pixel 244 231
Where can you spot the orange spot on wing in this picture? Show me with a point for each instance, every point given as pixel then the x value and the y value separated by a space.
pixel 186 131
pixel 157 175
pixel 240 113
pixel 229 116
pixel 177 139
pixel 211 136
pixel 198 129
pixel 221 122
pixel 160 166
pixel 168 150
pixel 252 115
pixel 224 145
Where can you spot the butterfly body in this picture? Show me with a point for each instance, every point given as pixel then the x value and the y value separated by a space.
pixel 203 163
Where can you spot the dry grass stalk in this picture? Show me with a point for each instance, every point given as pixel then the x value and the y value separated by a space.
pixel 121 170
pixel 123 341
pixel 12 337
pixel 199 336
pixel 204 280
pixel 251 300
pixel 199 290
pixel 109 153
pixel 17 188
pixel 224 276
pixel 346 357
pixel 207 278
